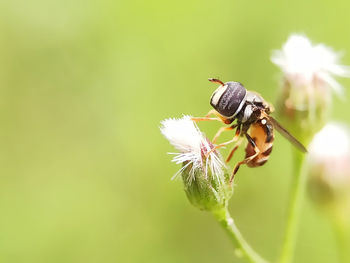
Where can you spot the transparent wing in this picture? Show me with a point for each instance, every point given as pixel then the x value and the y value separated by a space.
pixel 286 134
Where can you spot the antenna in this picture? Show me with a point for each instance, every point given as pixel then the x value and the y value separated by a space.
pixel 216 81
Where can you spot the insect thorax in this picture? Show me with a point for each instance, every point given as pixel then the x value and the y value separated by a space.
pixel 252 111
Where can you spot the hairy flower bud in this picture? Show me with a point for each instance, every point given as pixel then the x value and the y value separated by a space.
pixel 329 165
pixel 205 177
pixel 307 84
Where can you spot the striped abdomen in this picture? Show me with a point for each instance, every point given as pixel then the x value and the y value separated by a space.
pixel 262 134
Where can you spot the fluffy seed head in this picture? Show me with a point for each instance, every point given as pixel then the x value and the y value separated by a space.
pixel 192 145
pixel 203 172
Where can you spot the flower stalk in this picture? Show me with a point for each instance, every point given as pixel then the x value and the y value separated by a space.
pixel 295 207
pixel 341 231
pixel 242 247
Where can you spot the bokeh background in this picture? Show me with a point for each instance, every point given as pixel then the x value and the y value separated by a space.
pixel 84 85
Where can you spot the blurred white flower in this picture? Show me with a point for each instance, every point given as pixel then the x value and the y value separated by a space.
pixel 329 155
pixel 329 175
pixel 193 147
pixel 305 64
pixel 308 81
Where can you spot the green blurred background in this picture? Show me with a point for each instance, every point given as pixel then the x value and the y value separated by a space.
pixel 84 85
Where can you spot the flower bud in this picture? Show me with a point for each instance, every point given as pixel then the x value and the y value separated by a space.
pixel 205 177
pixel 329 166
pixel 308 81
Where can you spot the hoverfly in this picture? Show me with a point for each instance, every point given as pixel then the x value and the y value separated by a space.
pixel 231 101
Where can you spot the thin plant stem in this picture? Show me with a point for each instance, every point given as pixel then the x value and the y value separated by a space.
pixel 340 230
pixel 295 207
pixel 241 246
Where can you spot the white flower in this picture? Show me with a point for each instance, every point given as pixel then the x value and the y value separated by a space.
pixel 305 64
pixel 193 146
pixel 309 72
pixel 329 154
pixel 205 177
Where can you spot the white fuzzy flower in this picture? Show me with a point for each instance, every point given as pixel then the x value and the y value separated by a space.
pixel 329 154
pixel 305 64
pixel 193 147
pixel 205 177
pixel 309 72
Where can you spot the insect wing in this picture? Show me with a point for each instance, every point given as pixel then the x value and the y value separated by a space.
pixel 287 135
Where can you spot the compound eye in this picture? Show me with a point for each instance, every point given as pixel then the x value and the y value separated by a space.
pixel 228 99
pixel 214 101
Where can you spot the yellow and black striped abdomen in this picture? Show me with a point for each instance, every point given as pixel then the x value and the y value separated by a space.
pixel 262 134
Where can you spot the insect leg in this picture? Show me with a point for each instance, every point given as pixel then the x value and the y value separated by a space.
pixel 233 151
pixel 247 160
pixel 222 129
pixel 268 130
pixel 207 117
pixel 238 131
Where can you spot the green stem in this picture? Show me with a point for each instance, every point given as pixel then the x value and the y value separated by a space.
pixel 242 247
pixel 340 229
pixel 295 207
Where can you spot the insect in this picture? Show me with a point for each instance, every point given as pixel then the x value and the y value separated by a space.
pixel 231 101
